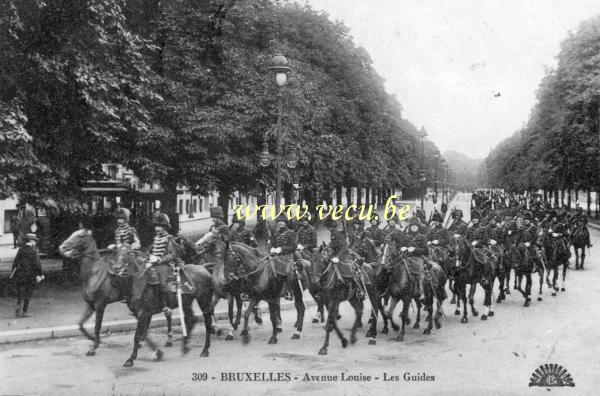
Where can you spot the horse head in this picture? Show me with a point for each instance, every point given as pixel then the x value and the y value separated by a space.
pixel 124 256
pixel 79 244
pixel 184 249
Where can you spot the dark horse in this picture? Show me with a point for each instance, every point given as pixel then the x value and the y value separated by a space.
pixel 81 245
pixel 335 289
pixel 100 287
pixel 557 253
pixel 402 286
pixel 579 241
pixel 473 267
pixel 528 265
pixel 365 248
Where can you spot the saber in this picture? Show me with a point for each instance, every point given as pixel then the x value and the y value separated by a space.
pixel 179 302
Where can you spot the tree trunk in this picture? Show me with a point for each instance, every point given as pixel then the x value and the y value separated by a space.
pixel 223 201
pixel 556 199
pixel 288 190
pixel 545 196
pixel 589 202
pixel 169 205
pixel 569 199
pixel 338 195
pixel 576 196
pixel 367 196
pixel 358 195
pixel 348 195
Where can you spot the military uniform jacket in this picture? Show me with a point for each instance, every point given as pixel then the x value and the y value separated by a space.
pixel 286 240
pixel 458 227
pixel 496 233
pixel 338 247
pixel 243 235
pixel 376 234
pixel 307 237
pixel 529 235
pixel 126 234
pixel 163 249
pixel 440 234
pixel 416 240
pixel 27 265
pixel 477 233
pixel 557 227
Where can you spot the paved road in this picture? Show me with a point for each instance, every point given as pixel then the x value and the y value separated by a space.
pixel 477 358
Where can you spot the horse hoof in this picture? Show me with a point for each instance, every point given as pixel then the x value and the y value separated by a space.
pixel 229 337
pixel 457 312
pixel 353 339
pixel 369 334
pixel 279 330
pixel 498 300
pixel 539 298
pixel 204 353
pixel 416 326
pixel 562 289
pixel 272 340
pixel 323 351
pixel 257 320
pixel 157 355
pixel 475 313
pixel 464 320
pixel 359 325
pixel 483 317
pixel 395 327
pixel 438 325
pixel 553 294
pixel 235 327
pixel 372 342
pixel 91 352
pixel 315 320
pixel 245 339
pixel 168 344
pixel 400 338
pixel 185 350
pixel 295 336
pixel 507 291
pixel 385 330
pixel 427 331
pixel 344 343
pixel 128 363
pixel 526 304
pixel 491 313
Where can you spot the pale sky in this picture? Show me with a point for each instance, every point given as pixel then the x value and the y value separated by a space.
pixel 446 59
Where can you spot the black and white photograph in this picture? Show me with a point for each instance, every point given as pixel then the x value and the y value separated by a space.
pixel 290 197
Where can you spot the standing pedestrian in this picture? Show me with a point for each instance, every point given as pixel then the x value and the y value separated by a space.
pixel 26 272
pixel 14 228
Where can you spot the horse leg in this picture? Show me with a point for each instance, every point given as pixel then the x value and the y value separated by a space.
pixel 564 275
pixel 404 318
pixel 528 283
pixel 429 309
pixel 141 329
pixel 582 257
pixel 274 314
pixel 328 328
pixel 438 314
pixel 487 300
pixel 89 310
pixel 375 309
pixel 418 320
pixel 507 282
pixel 300 309
pixel 230 299
pixel 245 333
pixel 169 342
pixel 189 321
pixel 541 274
pixel 451 287
pixel 576 257
pixel 472 289
pixel 358 309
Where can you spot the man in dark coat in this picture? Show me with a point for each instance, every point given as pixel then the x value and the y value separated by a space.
pixel 14 228
pixel 26 272
pixel 239 233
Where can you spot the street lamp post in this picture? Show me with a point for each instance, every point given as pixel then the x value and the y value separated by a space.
pixel 436 155
pixel 422 135
pixel 279 66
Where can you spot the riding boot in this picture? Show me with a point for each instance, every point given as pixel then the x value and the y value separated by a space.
pixel 360 293
pixel 162 298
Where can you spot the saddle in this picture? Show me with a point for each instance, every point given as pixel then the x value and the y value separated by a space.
pixel 164 275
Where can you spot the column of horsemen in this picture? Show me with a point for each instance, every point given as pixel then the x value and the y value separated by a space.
pixel 506 233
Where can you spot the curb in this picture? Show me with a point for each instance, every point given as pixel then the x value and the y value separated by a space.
pixel 112 326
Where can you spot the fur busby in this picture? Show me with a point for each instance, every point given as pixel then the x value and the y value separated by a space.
pixel 161 219
pixel 457 214
pixel 122 213
pixel 217 212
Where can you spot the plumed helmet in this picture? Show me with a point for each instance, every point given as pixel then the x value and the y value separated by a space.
pixel 436 216
pixel 475 214
pixel 161 219
pixel 527 216
pixel 217 212
pixel 414 220
pixel 122 213
pixel 457 213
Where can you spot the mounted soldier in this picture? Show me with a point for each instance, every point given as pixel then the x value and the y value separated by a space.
pixel 161 260
pixel 439 239
pixel 124 233
pixel 283 244
pixel 458 226
pixel 375 233
pixel 415 244
pixel 239 233
pixel 339 253
pixel 580 220
pixel 307 239
pixel 476 234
